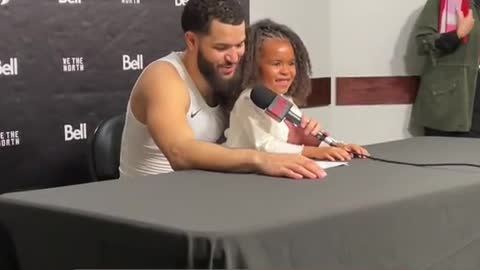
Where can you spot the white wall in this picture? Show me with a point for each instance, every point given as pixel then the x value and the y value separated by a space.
pixel 309 18
pixel 354 38
pixel 371 37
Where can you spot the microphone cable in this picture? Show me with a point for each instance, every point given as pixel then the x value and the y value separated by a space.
pixel 415 164
pixel 423 164
pixel 336 144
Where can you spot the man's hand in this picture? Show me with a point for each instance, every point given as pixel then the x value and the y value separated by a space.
pixel 289 165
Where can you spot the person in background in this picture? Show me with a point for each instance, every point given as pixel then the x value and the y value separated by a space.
pixel 448 102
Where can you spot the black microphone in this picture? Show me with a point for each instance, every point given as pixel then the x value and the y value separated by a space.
pixel 279 109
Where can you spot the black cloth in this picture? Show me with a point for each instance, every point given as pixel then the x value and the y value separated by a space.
pixel 447 42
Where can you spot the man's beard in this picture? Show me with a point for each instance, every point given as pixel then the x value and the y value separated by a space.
pixel 223 89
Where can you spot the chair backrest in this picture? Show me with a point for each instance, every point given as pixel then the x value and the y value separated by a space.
pixel 105 148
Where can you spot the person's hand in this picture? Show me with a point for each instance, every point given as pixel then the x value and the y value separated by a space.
pixel 356 149
pixel 310 126
pixel 327 153
pixel 464 23
pixel 289 165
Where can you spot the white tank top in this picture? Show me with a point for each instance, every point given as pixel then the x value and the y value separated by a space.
pixel 140 155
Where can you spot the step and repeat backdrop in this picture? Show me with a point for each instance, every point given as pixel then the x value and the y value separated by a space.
pixel 66 65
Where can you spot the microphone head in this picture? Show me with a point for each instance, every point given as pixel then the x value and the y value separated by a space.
pixel 262 96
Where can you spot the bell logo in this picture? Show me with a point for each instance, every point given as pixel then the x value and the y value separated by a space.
pixel 9 69
pixel 132 64
pixel 131 2
pixel 4 2
pixel 69 1
pixel 75 134
pixel 179 3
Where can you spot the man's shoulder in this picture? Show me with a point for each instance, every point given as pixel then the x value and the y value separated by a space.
pixel 161 70
pixel 166 65
pixel 158 82
pixel 159 75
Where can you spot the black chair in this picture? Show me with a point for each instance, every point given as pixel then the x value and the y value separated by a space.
pixel 105 149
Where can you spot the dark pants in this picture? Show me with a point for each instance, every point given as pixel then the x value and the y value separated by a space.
pixel 441 133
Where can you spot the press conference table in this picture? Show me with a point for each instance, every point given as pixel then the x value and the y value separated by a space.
pixel 368 215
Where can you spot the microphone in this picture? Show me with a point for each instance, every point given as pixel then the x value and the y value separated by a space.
pixel 279 109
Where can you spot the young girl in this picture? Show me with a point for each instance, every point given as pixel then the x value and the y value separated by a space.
pixel 277 58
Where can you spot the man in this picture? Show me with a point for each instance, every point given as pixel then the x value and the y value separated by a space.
pixel 175 116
